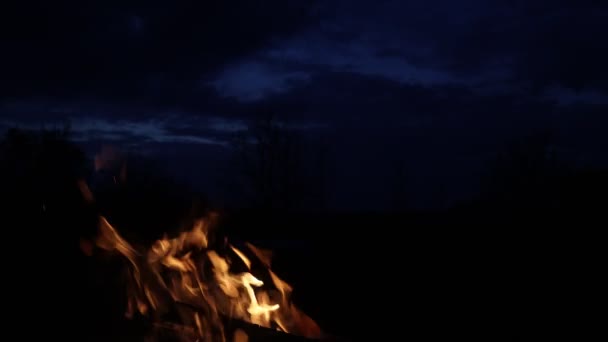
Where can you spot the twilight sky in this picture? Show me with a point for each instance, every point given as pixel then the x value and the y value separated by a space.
pixel 437 85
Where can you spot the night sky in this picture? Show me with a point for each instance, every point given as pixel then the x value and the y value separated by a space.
pixel 437 86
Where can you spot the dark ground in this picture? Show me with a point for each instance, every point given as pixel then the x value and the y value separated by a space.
pixel 481 270
pixel 354 274
pixel 436 274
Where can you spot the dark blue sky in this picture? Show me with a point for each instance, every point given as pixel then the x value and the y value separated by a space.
pixel 439 86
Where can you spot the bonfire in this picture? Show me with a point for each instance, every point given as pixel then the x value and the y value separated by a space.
pixel 189 287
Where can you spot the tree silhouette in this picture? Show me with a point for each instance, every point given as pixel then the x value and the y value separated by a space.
pixel 277 168
pixel 39 170
pixel 398 184
pixel 39 174
pixel 525 174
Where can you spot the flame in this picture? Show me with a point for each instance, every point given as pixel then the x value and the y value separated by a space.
pixel 185 275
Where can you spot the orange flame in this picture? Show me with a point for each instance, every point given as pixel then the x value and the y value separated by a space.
pixel 185 275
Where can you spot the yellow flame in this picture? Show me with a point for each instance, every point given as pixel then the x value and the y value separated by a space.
pixel 184 274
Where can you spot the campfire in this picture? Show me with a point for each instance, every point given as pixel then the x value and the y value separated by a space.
pixel 191 288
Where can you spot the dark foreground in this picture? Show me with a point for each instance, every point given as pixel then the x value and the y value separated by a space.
pixel 360 277
pixel 488 270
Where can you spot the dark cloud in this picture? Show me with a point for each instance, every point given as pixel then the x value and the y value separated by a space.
pixel 541 42
pixel 545 43
pixel 161 51
pixel 119 47
pixel 351 96
pixel 522 43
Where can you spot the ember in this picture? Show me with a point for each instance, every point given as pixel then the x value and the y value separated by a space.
pixel 189 285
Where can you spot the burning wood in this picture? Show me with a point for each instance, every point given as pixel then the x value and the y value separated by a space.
pixel 191 288
pixel 244 331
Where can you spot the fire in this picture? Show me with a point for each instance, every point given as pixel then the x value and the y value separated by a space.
pixel 203 284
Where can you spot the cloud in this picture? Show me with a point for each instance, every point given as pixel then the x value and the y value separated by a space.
pixel 529 45
pixel 286 64
pixel 140 132
pixel 407 42
pixel 250 81
pixel 144 127
pixel 225 125
pixel 183 52
pixel 571 97
pixel 113 48
pixel 534 44
pixel 440 121
pixel 340 98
